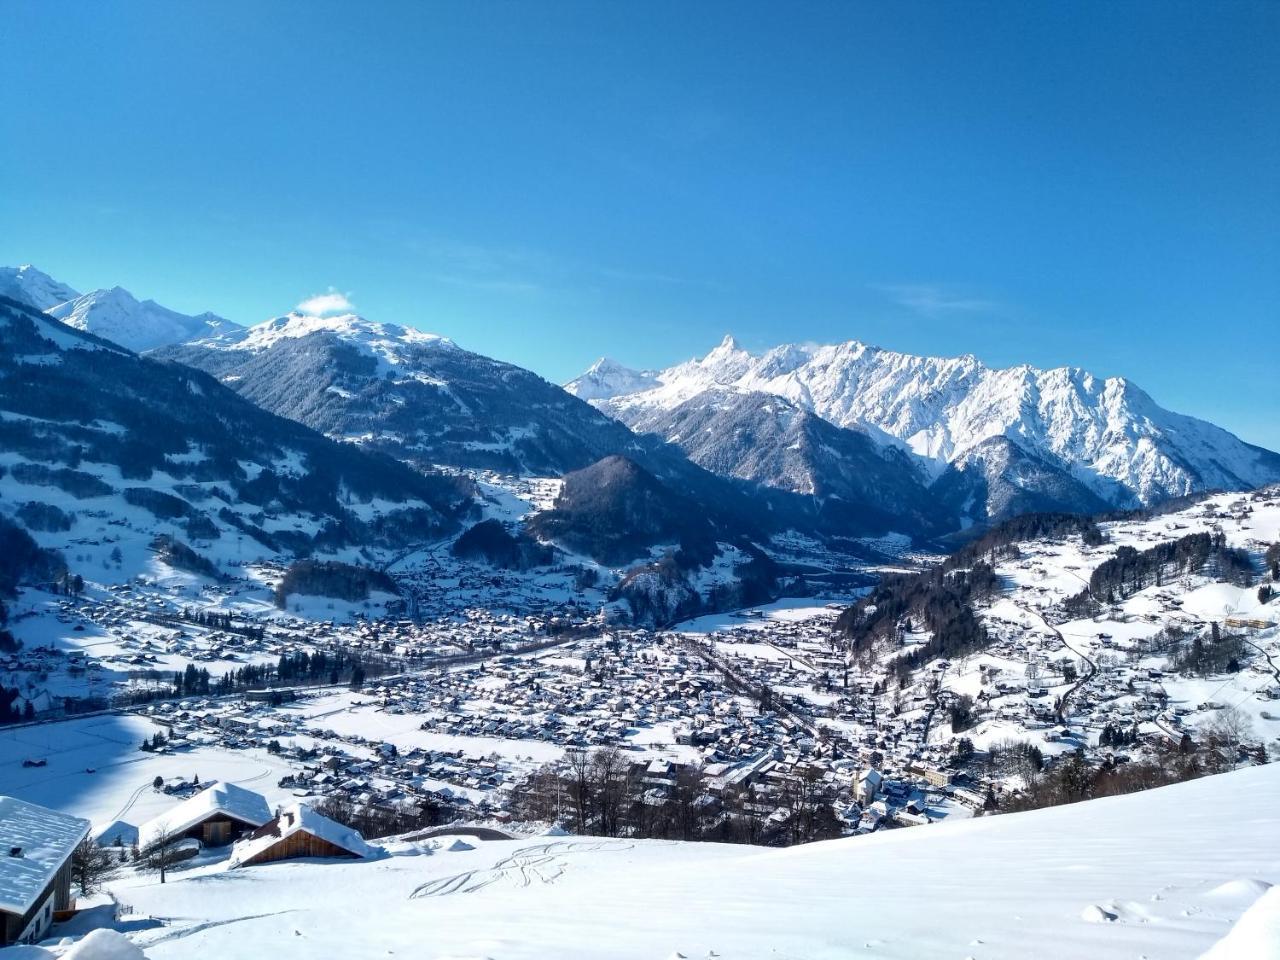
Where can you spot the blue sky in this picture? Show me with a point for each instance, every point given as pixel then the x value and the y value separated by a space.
pixel 1055 183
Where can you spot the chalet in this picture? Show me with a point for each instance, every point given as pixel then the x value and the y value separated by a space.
pixel 300 832
pixel 36 845
pixel 215 816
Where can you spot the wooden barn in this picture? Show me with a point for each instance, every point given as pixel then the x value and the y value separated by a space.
pixel 36 845
pixel 300 832
pixel 215 816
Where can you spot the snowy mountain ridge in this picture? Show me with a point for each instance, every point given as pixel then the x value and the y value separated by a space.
pixel 383 340
pixel 28 285
pixel 114 314
pixel 140 325
pixel 607 378
pixel 1104 432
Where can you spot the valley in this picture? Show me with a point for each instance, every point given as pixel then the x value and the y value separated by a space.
pixel 351 565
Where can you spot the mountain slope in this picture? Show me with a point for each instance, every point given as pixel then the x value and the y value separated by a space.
pixel 140 325
pixel 1165 873
pixel 861 486
pixel 30 286
pixel 424 400
pixel 614 510
pixel 90 428
pixel 1104 435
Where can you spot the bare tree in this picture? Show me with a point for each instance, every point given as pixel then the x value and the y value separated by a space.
pixel 162 851
pixel 578 763
pixel 90 865
pixel 608 777
pixel 1224 732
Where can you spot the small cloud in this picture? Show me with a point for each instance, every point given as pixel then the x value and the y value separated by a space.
pixel 325 303
pixel 934 300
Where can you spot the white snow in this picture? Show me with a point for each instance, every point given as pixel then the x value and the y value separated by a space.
pixel 606 378
pixel 34 843
pixel 1012 886
pixel 31 286
pixel 118 316
pixel 386 341
pixel 1106 429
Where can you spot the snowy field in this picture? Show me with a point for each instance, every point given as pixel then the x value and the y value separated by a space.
pixel 1163 874
pixel 95 769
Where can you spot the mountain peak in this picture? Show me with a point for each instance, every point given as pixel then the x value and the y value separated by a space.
pixel 117 315
pixel 607 378
pixel 386 341
pixel 31 286
pixel 1102 432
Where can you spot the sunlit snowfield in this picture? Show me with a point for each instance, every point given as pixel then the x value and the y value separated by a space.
pixel 1159 874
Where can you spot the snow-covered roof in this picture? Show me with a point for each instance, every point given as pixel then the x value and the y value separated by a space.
pixel 34 844
pixel 295 818
pixel 222 798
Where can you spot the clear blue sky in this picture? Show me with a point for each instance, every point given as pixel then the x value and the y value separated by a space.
pixel 1057 183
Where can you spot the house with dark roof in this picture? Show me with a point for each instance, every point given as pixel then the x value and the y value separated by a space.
pixel 36 845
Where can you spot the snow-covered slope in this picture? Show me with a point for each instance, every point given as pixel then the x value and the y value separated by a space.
pixel 862 486
pixel 1166 873
pixel 1104 433
pixel 607 378
pixel 36 289
pixel 92 436
pixel 140 325
pixel 423 399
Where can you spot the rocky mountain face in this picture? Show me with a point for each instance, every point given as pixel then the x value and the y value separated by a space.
pixel 853 484
pixel 89 428
pixel 1060 436
pixel 415 396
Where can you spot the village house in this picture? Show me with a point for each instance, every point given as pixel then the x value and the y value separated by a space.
pixel 300 832
pixel 36 845
pixel 215 816
pixel 867 789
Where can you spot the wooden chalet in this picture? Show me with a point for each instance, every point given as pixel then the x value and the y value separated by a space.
pixel 36 845
pixel 300 832
pixel 215 816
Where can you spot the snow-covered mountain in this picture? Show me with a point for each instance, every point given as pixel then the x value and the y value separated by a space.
pixel 417 396
pixel 91 431
pixel 1094 438
pixel 607 378
pixel 115 314
pixel 140 325
pixel 28 285
pixel 861 486
pixel 424 400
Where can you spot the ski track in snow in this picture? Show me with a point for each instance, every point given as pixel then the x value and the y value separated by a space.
pixel 543 863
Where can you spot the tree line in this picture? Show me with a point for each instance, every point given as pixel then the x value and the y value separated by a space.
pixel 604 793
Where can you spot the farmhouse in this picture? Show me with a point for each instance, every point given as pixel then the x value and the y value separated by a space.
pixel 215 816
pixel 299 832
pixel 35 868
